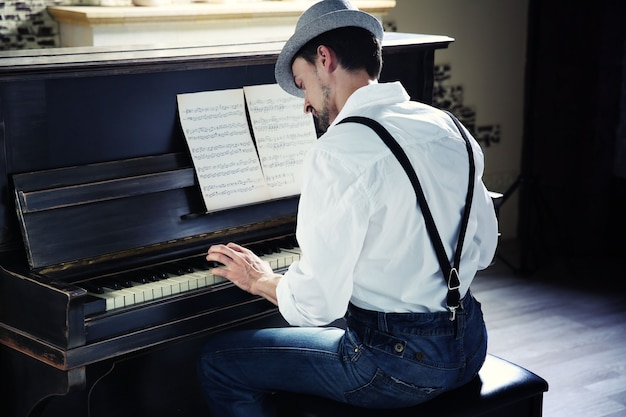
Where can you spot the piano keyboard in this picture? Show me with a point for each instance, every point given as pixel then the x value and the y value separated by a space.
pixel 146 285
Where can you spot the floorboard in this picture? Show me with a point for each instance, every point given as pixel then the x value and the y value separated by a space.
pixel 567 323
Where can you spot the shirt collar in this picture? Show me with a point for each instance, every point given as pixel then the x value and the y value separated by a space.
pixel 372 94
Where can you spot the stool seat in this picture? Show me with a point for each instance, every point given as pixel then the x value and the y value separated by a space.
pixel 500 389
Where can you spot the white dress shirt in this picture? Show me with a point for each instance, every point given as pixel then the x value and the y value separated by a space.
pixel 359 227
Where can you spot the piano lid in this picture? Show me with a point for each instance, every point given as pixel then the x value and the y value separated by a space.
pixel 85 215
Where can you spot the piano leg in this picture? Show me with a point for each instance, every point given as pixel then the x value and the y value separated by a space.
pixel 161 382
pixel 28 384
pixel 156 382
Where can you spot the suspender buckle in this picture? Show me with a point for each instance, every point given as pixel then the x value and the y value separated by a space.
pixel 453 301
pixel 454 283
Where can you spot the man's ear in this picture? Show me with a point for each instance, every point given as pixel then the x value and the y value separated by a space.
pixel 327 58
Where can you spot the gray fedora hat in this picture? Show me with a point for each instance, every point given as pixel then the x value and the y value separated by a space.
pixel 321 17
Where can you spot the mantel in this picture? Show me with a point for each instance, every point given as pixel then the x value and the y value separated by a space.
pixel 215 23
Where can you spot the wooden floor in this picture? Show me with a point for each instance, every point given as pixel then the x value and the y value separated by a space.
pixel 565 322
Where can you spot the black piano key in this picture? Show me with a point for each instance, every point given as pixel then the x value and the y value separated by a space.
pixel 110 284
pixel 125 282
pixel 159 274
pixel 93 288
pixel 288 243
pixel 140 277
pixel 262 249
pixel 153 276
pixel 116 282
pixel 200 263
pixel 174 269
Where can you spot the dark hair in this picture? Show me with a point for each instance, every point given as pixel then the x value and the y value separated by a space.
pixel 355 47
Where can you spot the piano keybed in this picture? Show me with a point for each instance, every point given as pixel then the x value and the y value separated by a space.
pixel 132 288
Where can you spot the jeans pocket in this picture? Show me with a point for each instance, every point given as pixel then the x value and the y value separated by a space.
pixel 385 343
pixel 384 391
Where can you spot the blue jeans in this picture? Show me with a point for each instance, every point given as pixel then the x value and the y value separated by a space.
pixel 381 360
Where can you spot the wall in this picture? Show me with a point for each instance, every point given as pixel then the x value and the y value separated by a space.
pixel 25 24
pixel 487 60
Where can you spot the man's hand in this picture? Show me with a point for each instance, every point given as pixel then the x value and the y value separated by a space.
pixel 245 269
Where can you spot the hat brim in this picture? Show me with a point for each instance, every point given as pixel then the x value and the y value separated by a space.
pixel 327 22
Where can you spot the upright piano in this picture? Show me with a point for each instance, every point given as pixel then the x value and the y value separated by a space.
pixel 105 295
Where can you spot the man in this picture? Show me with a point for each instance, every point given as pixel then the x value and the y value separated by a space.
pixel 366 251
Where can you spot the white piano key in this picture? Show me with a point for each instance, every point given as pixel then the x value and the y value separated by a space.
pixel 148 292
pixel 192 281
pixel 218 280
pixel 204 277
pixel 183 282
pixel 290 256
pixel 166 288
pixel 273 259
pixel 155 288
pixel 179 284
pixel 138 294
pixel 121 298
pixel 296 252
pixel 109 300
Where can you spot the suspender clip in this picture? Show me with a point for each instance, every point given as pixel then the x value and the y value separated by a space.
pixel 454 283
pixel 452 313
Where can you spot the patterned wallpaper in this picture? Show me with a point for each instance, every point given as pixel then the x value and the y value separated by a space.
pixel 25 24
pixel 450 97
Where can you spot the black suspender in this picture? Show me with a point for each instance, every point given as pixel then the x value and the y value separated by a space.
pixel 450 272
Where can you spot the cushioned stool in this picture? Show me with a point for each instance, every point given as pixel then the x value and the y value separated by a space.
pixel 500 389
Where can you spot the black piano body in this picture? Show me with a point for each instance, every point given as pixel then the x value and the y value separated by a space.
pixel 97 184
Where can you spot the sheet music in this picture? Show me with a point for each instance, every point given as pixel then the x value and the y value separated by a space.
pixel 224 156
pixel 283 134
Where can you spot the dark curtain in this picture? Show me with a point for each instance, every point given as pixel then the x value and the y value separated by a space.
pixel 573 187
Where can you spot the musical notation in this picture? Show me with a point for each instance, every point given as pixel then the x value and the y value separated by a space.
pixel 283 133
pixel 231 170
pixel 224 156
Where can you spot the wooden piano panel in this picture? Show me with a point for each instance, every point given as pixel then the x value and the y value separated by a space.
pixel 122 209
pixel 66 121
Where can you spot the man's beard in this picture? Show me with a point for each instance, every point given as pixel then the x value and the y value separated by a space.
pixel 323 114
